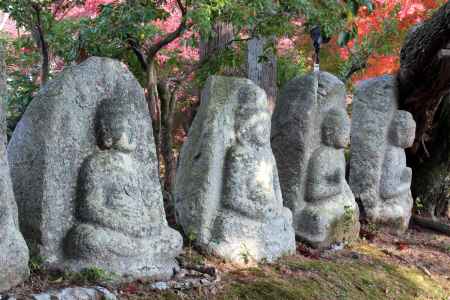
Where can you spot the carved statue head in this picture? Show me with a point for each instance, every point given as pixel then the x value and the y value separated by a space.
pixel 114 127
pixel 403 129
pixel 252 119
pixel 336 129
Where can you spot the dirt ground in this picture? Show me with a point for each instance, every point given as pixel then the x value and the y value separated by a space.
pixel 415 265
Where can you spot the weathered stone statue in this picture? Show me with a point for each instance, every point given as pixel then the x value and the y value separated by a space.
pixel 85 173
pixel 378 173
pixel 395 184
pixel 310 129
pixel 120 229
pixel 13 250
pixel 330 214
pixel 227 190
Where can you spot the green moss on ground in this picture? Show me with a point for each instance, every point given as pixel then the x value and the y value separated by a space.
pixel 363 272
pixel 299 278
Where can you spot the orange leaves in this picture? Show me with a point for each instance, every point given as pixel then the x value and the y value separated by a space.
pixel 406 12
pixel 380 65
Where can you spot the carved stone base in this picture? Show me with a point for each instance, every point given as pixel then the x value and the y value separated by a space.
pixel 392 215
pixel 332 221
pixel 242 240
pixel 126 257
pixel 13 259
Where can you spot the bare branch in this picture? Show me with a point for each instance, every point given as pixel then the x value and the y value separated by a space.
pixel 38 34
pixel 170 37
pixel 135 47
pixel 182 8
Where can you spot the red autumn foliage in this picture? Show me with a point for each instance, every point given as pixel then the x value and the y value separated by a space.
pixel 401 246
pixel 407 14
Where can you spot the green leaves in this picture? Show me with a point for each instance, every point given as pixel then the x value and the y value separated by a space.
pixel 24 11
pixel 354 5
pixel 63 39
pixel 346 36
pixel 368 4
pixel 343 38
pixel 21 78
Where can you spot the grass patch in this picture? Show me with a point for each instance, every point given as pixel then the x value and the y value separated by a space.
pixel 89 275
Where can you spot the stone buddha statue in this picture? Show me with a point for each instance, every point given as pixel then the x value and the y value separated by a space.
pixel 118 223
pixel 14 254
pixel 252 223
pixel 395 183
pixel 251 181
pixel 330 214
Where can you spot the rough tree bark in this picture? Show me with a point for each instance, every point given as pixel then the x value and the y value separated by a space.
pixel 39 38
pixel 153 102
pixel 2 76
pixel 262 68
pixel 431 180
pixel 161 106
pixel 220 37
pixel 431 224
pixel 167 98
pixel 423 83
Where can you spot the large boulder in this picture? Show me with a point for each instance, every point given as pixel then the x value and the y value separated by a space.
pixel 379 177
pixel 227 194
pixel 310 129
pixel 85 174
pixel 13 250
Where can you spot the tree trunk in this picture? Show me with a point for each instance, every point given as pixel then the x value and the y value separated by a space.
pixel 423 83
pixel 168 102
pixel 153 103
pixel 262 68
pixel 220 37
pixel 3 86
pixel 431 224
pixel 212 44
pixel 41 43
pixel 424 76
pixel 431 180
pixel 162 121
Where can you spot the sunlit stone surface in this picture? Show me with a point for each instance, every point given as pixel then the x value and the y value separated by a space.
pixel 378 173
pixel 85 174
pixel 119 228
pixel 310 129
pixel 227 192
pixel 13 250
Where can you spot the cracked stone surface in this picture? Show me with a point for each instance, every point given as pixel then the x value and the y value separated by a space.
pixel 13 250
pixel 379 176
pixel 85 174
pixel 227 192
pixel 310 129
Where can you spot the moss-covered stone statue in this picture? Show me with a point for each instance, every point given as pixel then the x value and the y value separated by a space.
pixel 379 177
pixel 310 129
pixel 121 229
pixel 85 174
pixel 227 192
